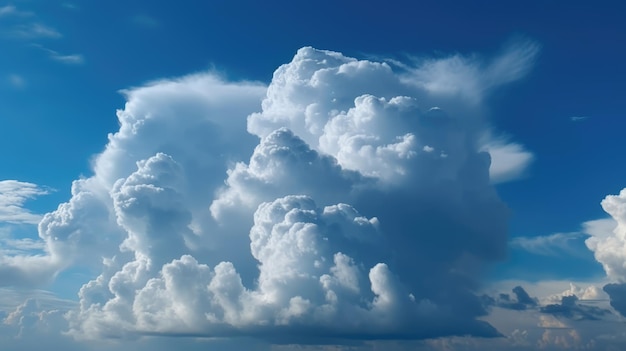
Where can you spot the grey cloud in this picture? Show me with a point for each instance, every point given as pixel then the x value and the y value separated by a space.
pixel 570 308
pixel 521 301
pixel 617 294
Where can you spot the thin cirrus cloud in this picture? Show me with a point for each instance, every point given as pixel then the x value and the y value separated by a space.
pixel 333 205
pixel 24 28
pixel 552 245
pixel 34 31
pixel 472 77
pixel 16 81
pixel 578 118
pixel 12 11
pixel 13 196
pixel 145 21
pixel 74 59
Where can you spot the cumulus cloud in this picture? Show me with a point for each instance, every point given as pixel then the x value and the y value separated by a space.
pixel 577 318
pixel 607 241
pixel 609 244
pixel 334 204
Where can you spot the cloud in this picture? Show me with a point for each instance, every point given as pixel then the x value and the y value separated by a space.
pixel 13 195
pixel 576 318
pixel 472 77
pixel 145 21
pixel 509 160
pixel 578 118
pixel 7 10
pixel 617 294
pixel 16 81
pixel 522 300
pixel 12 11
pixel 70 6
pixel 75 59
pixel 34 31
pixel 334 205
pixel 571 309
pixel 566 304
pixel 551 245
pixel 608 237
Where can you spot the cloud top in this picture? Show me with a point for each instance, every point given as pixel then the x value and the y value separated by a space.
pixel 343 201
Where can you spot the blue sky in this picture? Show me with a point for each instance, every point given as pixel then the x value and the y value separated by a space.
pixel 312 176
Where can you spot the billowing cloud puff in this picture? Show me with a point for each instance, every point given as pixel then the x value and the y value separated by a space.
pixel 359 206
pixel 608 243
pixel 609 246
pixel 199 119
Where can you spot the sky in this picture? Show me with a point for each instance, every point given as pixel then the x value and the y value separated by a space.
pixel 329 175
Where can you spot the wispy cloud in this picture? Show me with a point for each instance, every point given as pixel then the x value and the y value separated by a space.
pixel 10 10
pixel 16 81
pixel 578 118
pixel 145 21
pixel 7 10
pixel 25 246
pixel 73 59
pixel 34 31
pixel 70 6
pixel 13 195
pixel 551 245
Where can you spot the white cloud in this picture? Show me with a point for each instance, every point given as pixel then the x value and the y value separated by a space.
pixel 608 243
pixel 74 59
pixel 551 245
pixel 472 77
pixel 509 160
pixel 13 195
pixel 608 237
pixel 330 222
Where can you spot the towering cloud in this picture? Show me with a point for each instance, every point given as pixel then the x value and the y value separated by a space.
pixel 608 242
pixel 345 200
